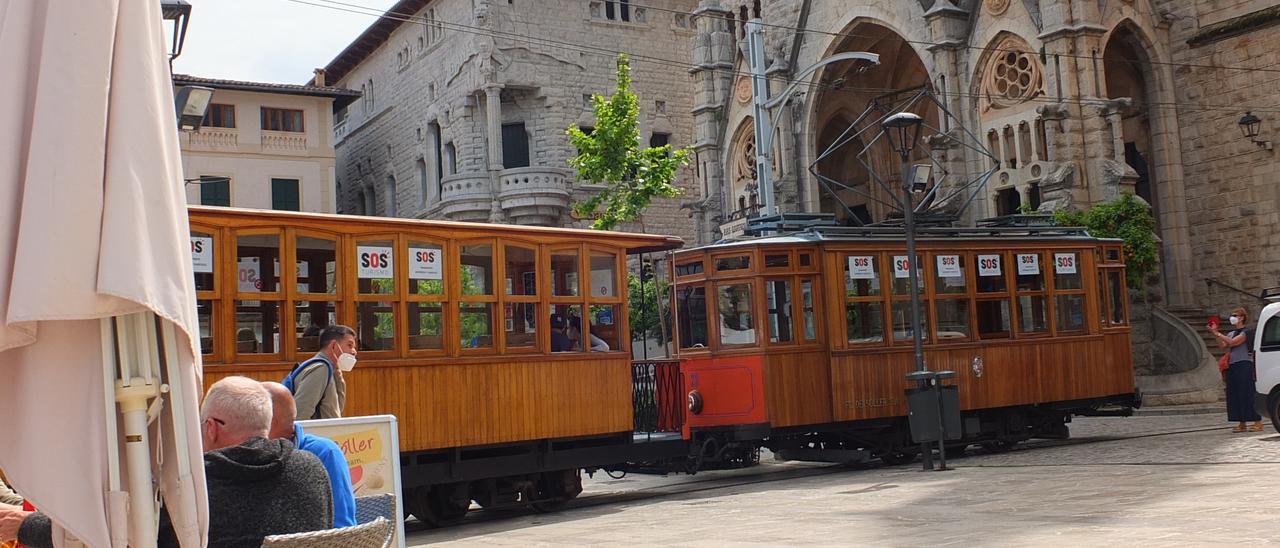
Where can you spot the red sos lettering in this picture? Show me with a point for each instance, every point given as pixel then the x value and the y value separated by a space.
pixel 903 264
pixel 374 260
pixel 426 256
pixel 197 246
pixel 1027 259
pixel 989 263
pixel 861 261
pixel 948 261
pixel 1064 261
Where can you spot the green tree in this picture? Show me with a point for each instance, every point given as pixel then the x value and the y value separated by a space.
pixel 649 318
pixel 1129 219
pixel 611 156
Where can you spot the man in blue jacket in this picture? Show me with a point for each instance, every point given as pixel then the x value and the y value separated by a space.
pixel 283 427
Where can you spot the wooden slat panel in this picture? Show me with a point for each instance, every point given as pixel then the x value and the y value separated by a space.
pixel 443 406
pixel 798 388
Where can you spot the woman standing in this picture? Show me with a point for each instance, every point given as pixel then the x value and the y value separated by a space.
pixel 1240 376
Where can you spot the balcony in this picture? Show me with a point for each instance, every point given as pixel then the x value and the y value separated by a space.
pixel 213 138
pixel 537 195
pixel 466 197
pixel 284 141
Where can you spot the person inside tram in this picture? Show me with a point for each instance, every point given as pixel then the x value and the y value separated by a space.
pixel 575 333
pixel 560 341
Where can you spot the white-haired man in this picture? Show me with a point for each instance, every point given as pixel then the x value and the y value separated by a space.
pixel 283 426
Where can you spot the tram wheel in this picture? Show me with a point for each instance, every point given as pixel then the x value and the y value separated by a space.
pixel 894 458
pixel 556 489
pixel 439 505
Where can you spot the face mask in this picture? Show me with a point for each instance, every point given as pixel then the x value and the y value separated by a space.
pixel 1234 320
pixel 346 362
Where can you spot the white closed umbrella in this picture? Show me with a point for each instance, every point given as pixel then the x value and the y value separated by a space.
pixel 93 226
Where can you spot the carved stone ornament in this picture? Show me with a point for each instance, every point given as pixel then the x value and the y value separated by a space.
pixel 742 90
pixel 1013 76
pixel 997 7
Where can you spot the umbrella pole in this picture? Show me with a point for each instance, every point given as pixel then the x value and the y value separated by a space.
pixel 139 382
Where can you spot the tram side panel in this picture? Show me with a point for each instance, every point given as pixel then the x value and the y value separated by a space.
pixel 798 387
pixel 725 393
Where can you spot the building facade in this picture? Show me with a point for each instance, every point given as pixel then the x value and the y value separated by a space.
pixel 263 146
pixel 465 105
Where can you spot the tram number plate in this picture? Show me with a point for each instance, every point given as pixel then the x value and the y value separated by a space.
pixel 868 403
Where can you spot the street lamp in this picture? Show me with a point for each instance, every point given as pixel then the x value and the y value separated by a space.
pixel 1250 125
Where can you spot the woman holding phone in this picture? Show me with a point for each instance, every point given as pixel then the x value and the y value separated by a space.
pixel 1240 374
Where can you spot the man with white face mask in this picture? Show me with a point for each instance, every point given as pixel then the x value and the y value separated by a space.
pixel 319 389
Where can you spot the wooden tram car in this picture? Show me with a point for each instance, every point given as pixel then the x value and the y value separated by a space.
pixel 795 342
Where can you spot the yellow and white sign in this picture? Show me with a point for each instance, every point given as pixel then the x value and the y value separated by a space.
pixel 372 448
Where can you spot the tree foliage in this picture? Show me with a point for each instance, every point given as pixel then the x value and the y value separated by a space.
pixel 1129 219
pixel 648 315
pixel 611 156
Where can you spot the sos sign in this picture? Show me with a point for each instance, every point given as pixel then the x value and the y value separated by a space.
pixel 1064 263
pixel 374 262
pixel 426 263
pixel 201 254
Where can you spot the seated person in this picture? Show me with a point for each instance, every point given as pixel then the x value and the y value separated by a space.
pixel 575 333
pixel 560 341
pixel 256 487
pixel 283 427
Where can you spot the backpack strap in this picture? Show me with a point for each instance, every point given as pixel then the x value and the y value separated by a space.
pixel 307 364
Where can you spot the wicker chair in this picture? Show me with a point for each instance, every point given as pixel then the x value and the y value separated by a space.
pixel 375 534
pixel 372 507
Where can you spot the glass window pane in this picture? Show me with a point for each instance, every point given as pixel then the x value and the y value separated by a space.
pixel 861 276
pixel 309 317
pixel 689 269
pixel 476 270
pixel 376 325
pixel 1032 314
pixel 426 269
pixel 375 267
pixel 805 259
pixel 1069 310
pixel 810 318
pixel 252 254
pixel 205 317
pixel 1115 288
pixel 902 275
pixel 522 276
pixel 1030 275
pixel 953 319
pixel 566 327
pixel 949 275
pixel 564 273
pixel 902 331
pixel 993 319
pixel 865 322
pixel 476 321
pixel 604 274
pixel 778 301
pixel 737 326
pixel 691 308
pixel 257 327
pixel 520 322
pixel 777 260
pixel 1066 271
pixel 733 263
pixel 990 269
pixel 202 260
pixel 426 326
pixel 603 329
pixel 317 260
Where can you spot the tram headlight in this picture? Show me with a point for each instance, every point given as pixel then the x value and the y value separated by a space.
pixel 695 402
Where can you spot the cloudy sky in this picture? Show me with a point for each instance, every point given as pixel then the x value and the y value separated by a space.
pixel 268 40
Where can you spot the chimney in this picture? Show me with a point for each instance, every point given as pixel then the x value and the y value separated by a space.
pixel 319 80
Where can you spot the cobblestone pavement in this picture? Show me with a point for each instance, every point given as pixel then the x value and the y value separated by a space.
pixel 1182 480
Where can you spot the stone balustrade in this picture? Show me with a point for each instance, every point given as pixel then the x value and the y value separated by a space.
pixel 537 195
pixel 284 141
pixel 214 138
pixel 466 197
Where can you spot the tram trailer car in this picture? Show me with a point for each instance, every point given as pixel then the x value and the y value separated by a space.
pixel 454 324
pixel 802 343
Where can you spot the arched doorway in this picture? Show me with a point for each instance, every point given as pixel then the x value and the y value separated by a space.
pixel 849 87
pixel 1128 72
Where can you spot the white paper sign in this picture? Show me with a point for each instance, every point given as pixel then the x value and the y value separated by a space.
pixel 949 266
pixel 201 254
pixel 373 262
pixel 901 267
pixel 249 274
pixel 862 267
pixel 602 283
pixel 989 265
pixel 1028 264
pixel 426 263
pixel 1064 263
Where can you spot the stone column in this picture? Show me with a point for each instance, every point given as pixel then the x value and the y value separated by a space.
pixel 493 123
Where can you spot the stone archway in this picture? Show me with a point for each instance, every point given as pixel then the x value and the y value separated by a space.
pixel 1127 73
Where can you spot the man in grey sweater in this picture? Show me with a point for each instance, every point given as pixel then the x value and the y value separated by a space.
pixel 319 389
pixel 257 487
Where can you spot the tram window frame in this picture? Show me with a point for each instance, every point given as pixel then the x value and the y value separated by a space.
pixel 295 296
pixel 896 299
pixel 877 297
pixel 722 262
pixel 1031 294
pixel 442 300
pixel 984 298
pixel 465 301
pixel 238 297
pixel 965 296
pixel 1078 291
pixel 1111 274
pixel 812 318
pixel 786 256
pixel 213 295
pixel 395 298
pixel 681 291
pixel 697 268
pixel 621 335
pixel 512 300
pixel 756 330
pixel 792 284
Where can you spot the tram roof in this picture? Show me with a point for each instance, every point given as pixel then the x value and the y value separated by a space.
pixel 838 234
pixel 634 242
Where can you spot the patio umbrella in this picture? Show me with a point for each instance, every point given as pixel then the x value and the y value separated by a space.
pixel 96 290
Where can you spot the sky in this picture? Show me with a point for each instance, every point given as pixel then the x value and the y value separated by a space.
pixel 268 40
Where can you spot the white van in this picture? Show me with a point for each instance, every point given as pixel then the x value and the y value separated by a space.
pixel 1266 345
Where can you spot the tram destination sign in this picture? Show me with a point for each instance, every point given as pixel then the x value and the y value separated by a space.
pixel 736 227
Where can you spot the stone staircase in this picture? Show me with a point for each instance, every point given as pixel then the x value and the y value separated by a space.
pixel 1180 337
pixel 1196 318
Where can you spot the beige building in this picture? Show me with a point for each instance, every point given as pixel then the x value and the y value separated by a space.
pixel 264 146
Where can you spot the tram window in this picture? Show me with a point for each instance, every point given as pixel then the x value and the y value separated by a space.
pixel 805 259
pixel 950 278
pixel 777 260
pixel 309 317
pixel 741 262
pixel 1032 314
pixel 691 308
pixel 603 328
pixel 202 259
pixel 1112 254
pixel 375 267
pixel 901 275
pixel 476 270
pixel 865 321
pixel 778 298
pixel 520 323
pixel 476 324
pixel 737 323
pixel 1066 271
pixel 990 269
pixel 257 327
pixel 1069 310
pixel 953 319
pixel 566 325
pixel 521 273
pixel 1030 275
pixel 317 260
pixel 205 318
pixel 426 326
pixel 993 319
pixel 810 318
pixel 604 274
pixel 426 269
pixel 689 269
pixel 376 325
pixel 253 253
pixel 564 273
pixel 861 276
pixel 1115 283
pixel 902 331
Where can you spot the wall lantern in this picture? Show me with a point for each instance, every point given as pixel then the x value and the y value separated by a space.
pixel 178 11
pixel 191 103
pixel 1250 126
